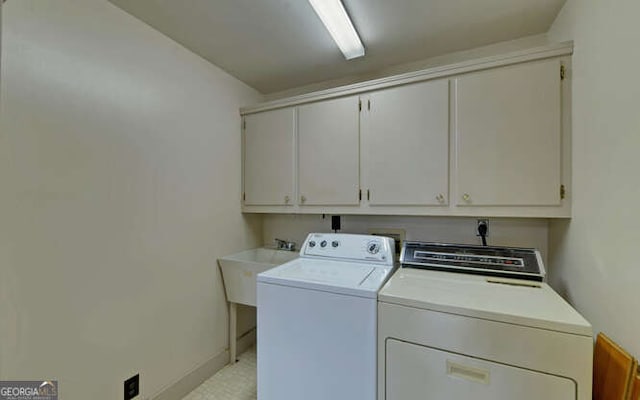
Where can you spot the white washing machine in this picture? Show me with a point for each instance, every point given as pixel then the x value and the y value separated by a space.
pixel 473 322
pixel 317 319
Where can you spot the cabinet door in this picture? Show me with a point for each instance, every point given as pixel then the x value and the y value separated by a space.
pixel 508 136
pixel 405 144
pixel 328 154
pixel 269 157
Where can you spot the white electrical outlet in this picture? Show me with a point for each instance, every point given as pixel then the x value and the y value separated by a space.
pixel 480 222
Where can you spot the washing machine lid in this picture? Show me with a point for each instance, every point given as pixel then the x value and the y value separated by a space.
pixel 519 302
pixel 357 279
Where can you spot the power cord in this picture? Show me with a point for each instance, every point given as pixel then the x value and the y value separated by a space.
pixel 482 231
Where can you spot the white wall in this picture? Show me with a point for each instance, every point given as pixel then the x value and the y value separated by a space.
pixel 1 2
pixel 120 185
pixel 502 231
pixel 527 42
pixel 594 257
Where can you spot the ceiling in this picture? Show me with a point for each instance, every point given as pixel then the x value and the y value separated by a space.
pixel 275 45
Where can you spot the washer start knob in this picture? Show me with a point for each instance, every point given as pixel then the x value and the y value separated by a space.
pixel 373 247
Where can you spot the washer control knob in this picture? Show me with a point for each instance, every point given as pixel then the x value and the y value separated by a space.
pixel 323 243
pixel 335 243
pixel 373 247
pixel 312 244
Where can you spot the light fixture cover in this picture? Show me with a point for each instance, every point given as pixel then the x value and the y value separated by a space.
pixel 335 19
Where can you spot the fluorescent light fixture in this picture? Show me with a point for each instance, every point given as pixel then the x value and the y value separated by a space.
pixel 335 19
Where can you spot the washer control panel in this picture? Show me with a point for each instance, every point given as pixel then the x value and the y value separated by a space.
pixel 343 246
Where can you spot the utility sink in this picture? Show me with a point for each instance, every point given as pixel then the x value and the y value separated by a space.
pixel 239 275
pixel 239 271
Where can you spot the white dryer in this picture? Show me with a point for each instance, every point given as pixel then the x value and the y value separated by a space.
pixel 317 319
pixel 462 322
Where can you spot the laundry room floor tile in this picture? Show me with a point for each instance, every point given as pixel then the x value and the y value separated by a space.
pixel 233 382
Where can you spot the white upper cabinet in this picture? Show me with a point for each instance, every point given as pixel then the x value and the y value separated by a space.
pixel 269 158
pixel 405 145
pixel 328 153
pixel 508 136
pixel 489 137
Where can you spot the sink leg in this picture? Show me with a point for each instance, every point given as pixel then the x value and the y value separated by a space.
pixel 232 332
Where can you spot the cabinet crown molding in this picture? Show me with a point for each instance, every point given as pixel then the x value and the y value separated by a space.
pixel 478 64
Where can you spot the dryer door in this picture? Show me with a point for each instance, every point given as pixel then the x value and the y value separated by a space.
pixel 417 373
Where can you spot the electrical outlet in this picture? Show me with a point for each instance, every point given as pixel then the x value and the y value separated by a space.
pixel 132 387
pixel 484 222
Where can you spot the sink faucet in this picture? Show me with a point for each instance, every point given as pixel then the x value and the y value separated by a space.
pixel 285 245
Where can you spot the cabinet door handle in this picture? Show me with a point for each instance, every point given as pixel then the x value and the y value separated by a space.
pixel 440 198
pixel 466 197
pixel 286 199
pixel 302 199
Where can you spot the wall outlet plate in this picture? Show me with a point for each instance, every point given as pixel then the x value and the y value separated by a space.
pixel 132 387
pixel 398 236
pixel 480 222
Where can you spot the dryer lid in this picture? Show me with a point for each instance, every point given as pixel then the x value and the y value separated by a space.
pixel 518 302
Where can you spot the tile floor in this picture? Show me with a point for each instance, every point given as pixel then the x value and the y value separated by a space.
pixel 233 382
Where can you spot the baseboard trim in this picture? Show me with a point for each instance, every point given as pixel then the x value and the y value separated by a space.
pixel 247 340
pixel 194 378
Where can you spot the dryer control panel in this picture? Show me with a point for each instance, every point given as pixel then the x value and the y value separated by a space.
pixel 349 247
pixel 507 262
